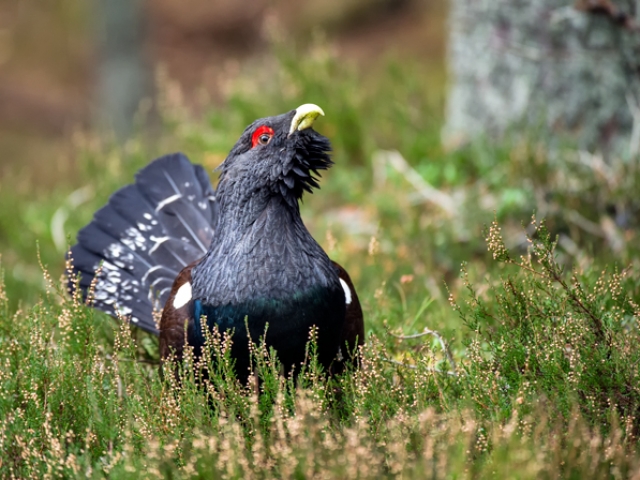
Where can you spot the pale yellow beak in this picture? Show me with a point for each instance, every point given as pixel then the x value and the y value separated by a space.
pixel 305 116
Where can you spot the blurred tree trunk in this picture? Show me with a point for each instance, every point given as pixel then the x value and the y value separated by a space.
pixel 123 79
pixel 571 70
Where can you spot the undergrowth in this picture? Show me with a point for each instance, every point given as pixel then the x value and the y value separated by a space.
pixel 546 388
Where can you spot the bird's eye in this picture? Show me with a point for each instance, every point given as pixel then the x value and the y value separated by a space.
pixel 262 136
pixel 264 139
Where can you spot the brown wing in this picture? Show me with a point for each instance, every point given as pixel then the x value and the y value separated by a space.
pixel 177 311
pixel 352 335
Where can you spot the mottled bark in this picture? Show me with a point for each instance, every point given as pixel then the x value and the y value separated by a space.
pixel 572 70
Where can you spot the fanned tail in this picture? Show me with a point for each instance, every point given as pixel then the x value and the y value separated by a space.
pixel 144 236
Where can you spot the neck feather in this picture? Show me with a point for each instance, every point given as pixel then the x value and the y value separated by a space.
pixel 261 248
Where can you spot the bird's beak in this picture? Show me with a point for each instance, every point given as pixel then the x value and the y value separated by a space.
pixel 305 116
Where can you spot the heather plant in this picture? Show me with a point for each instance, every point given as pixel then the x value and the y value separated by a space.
pixel 548 332
pixel 545 386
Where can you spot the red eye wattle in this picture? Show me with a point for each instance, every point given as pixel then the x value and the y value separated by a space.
pixel 262 136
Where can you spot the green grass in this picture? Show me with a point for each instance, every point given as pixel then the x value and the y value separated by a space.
pixel 540 318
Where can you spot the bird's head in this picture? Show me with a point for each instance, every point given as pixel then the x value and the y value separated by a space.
pixel 277 156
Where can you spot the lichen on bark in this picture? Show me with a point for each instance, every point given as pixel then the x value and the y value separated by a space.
pixel 572 70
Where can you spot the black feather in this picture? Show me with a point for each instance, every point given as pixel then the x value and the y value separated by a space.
pixel 145 235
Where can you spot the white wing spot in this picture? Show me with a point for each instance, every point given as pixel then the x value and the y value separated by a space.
pixel 133 239
pixel 159 241
pixel 123 310
pixel 183 296
pixel 167 201
pixel 347 291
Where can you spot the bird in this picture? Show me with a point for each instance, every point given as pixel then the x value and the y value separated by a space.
pixel 238 258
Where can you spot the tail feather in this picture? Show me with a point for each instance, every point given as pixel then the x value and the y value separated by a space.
pixel 110 246
pixel 131 205
pixel 116 291
pixel 144 236
pixel 172 177
pixel 186 223
pixel 173 254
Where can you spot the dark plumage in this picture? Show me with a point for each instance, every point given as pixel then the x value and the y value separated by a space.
pixel 241 252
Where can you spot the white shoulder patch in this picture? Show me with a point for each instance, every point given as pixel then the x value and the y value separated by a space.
pixel 347 291
pixel 183 296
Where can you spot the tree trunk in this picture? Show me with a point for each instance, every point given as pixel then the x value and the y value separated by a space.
pixel 123 79
pixel 571 70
